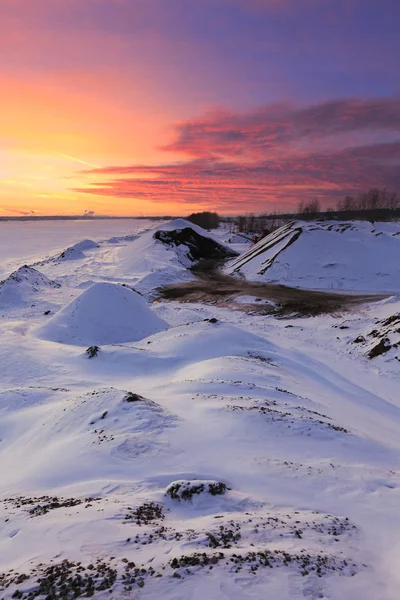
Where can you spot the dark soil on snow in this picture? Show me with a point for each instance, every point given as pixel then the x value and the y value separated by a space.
pixel 212 287
pixel 200 247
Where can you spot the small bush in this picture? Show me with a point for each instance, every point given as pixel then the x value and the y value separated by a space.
pixel 92 351
pixel 185 490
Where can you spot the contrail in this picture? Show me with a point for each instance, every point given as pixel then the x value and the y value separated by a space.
pixel 83 162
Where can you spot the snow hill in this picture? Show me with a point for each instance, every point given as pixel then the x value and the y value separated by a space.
pixel 351 256
pixel 20 287
pixel 104 314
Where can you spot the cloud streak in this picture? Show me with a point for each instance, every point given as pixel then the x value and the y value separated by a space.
pixel 269 158
pixel 277 127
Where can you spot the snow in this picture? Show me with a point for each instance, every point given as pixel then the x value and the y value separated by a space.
pixel 239 238
pixel 76 251
pixel 85 245
pixel 106 313
pixel 21 286
pixel 356 257
pixel 281 434
pixel 71 254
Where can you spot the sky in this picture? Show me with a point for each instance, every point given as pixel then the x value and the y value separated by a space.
pixel 166 107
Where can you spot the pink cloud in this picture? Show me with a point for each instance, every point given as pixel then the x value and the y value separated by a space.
pixel 269 158
pixel 273 128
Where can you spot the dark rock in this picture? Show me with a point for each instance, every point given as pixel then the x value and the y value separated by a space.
pixel 383 346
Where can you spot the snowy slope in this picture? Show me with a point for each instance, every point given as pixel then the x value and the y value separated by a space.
pixel 223 455
pixel 353 256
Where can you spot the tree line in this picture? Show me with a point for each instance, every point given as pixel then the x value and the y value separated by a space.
pixel 375 204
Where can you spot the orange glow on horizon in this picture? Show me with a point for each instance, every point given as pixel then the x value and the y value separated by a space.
pixel 52 130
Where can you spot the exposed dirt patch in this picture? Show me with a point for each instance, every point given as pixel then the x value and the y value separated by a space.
pixel 145 514
pixel 44 504
pixel 212 287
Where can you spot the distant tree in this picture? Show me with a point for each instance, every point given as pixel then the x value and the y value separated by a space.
pixel 349 203
pixel 310 208
pixel 229 223
pixel 250 222
pixel 207 220
pixel 374 199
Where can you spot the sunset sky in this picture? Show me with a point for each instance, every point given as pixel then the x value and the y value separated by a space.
pixel 130 107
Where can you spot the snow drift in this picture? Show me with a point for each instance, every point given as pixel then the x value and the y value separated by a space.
pixel 350 256
pixel 106 313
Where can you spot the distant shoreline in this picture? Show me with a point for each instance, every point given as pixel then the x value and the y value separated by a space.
pixel 79 218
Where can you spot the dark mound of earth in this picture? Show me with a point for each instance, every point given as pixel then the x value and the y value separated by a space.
pixel 200 247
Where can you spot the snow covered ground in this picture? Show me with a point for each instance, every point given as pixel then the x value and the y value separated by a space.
pixel 220 455
pixel 327 255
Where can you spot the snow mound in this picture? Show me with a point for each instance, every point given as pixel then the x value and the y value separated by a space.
pixel 18 288
pixel 193 241
pixel 111 415
pixel 329 255
pixel 85 245
pixel 164 255
pixel 195 245
pixel 70 254
pixel 76 252
pixel 105 313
